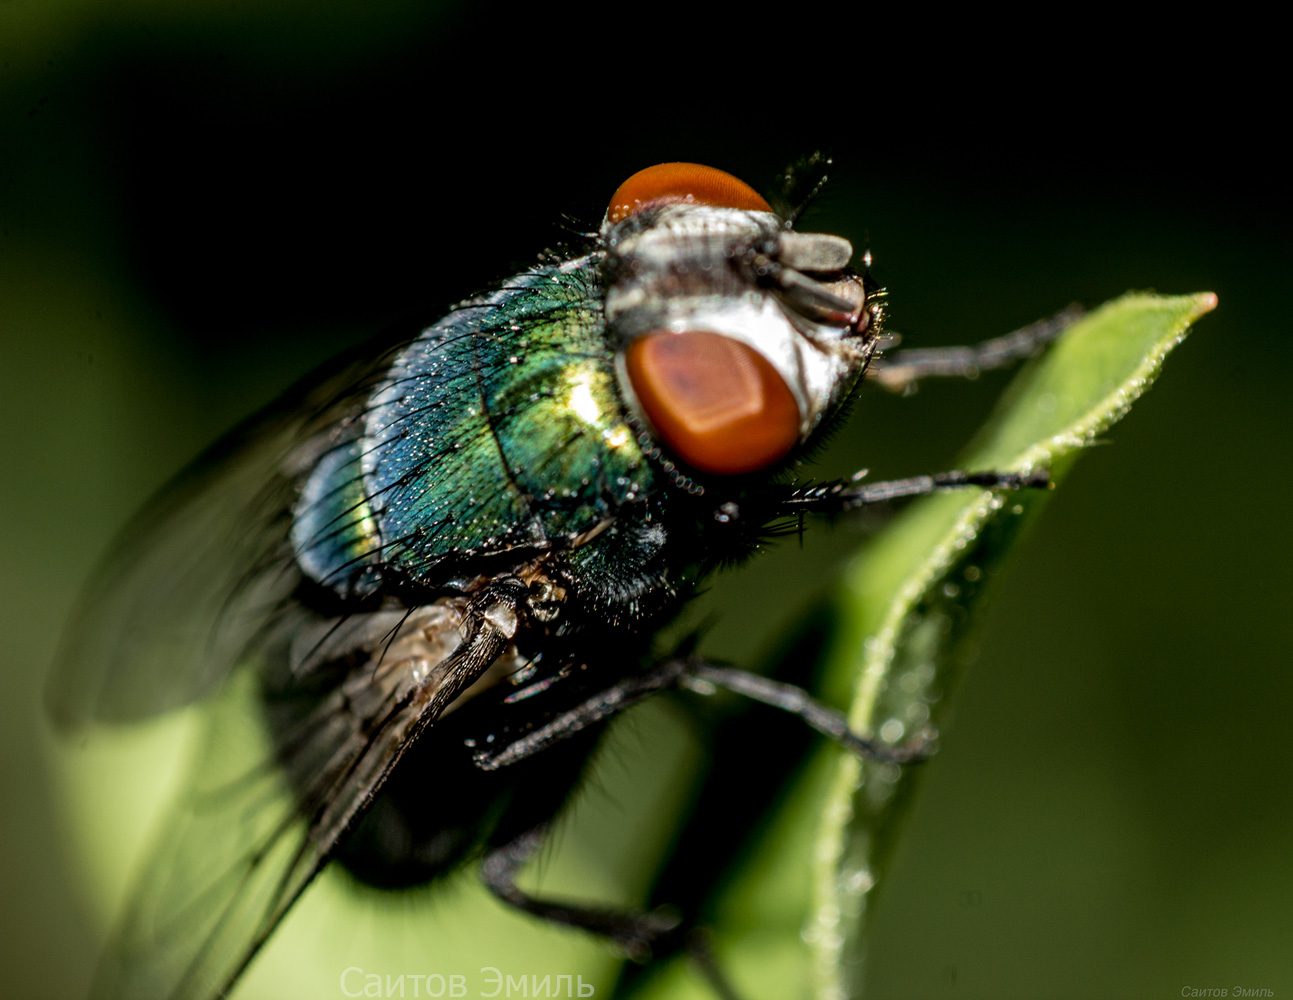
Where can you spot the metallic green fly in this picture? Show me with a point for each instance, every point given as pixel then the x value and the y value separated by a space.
pixel 443 567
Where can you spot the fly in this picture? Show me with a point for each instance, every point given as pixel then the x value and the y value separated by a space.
pixel 445 565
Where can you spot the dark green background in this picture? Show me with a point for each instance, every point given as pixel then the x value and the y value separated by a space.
pixel 197 206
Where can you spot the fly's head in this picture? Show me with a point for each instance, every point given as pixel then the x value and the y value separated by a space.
pixel 735 335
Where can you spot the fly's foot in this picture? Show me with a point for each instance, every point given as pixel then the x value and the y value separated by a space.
pixel 922 745
pixel 642 934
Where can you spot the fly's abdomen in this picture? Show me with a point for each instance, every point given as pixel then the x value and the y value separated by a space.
pixel 334 534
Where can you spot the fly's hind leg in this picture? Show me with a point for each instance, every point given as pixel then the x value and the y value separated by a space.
pixel 638 935
pixel 634 933
pixel 901 370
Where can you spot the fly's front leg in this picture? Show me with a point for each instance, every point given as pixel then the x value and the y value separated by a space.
pixel 849 494
pixel 900 371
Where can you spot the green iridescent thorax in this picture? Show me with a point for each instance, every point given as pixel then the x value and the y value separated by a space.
pixel 501 427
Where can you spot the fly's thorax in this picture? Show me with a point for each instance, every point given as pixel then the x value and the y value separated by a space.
pixel 552 420
pixel 734 335
pixel 495 437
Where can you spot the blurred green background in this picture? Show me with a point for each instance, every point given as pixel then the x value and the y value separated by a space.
pixel 200 202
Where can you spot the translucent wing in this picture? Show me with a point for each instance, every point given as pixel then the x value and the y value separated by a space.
pixel 308 715
pixel 202 571
pixel 287 768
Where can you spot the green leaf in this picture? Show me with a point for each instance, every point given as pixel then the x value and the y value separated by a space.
pixel 902 619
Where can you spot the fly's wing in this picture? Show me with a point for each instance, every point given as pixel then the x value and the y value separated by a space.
pixel 284 773
pixel 202 572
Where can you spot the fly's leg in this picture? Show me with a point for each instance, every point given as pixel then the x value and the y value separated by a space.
pixel 634 933
pixel 848 494
pixel 701 677
pixel 612 700
pixel 638 934
pixel 900 371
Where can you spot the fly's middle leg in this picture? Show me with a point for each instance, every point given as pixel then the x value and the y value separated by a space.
pixel 702 677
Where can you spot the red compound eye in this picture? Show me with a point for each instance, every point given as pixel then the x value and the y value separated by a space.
pixel 683 182
pixel 715 402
